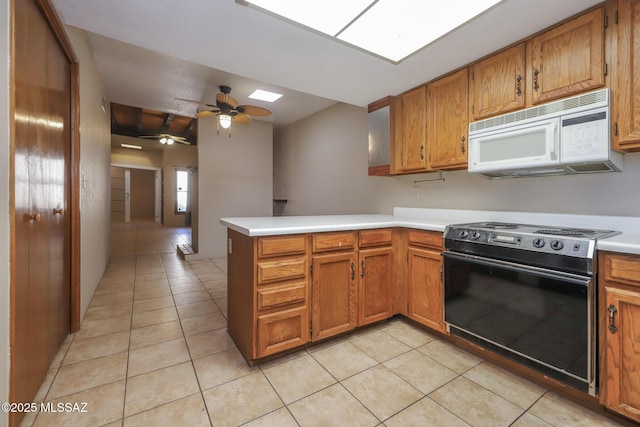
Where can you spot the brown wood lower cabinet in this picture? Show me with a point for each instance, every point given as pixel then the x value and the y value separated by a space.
pixel 375 299
pixel 334 294
pixel 425 292
pixel 282 330
pixel 619 312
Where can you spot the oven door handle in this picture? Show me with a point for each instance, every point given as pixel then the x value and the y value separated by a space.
pixel 543 272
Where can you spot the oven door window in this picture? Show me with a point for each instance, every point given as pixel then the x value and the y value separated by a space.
pixel 539 314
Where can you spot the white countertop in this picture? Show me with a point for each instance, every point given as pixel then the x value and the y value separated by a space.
pixel 437 220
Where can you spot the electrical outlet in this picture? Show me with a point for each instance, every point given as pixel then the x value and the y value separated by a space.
pixel 416 191
pixel 230 246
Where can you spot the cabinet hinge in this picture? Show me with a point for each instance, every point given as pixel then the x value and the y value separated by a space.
pixel 606 69
pixel 311 329
pixel 615 128
pixel 606 21
pixel 615 17
pixel 311 269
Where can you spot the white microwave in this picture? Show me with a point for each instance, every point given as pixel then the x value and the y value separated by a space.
pixel 570 136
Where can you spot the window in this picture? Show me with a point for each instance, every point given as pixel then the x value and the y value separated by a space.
pixel 182 190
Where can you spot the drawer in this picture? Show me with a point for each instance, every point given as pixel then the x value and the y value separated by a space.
pixel 323 242
pixel 282 331
pixel 622 268
pixel 276 296
pixel 426 238
pixel 282 245
pixel 377 237
pixel 287 269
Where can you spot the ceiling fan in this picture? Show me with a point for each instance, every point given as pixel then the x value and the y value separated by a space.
pixel 227 109
pixel 166 138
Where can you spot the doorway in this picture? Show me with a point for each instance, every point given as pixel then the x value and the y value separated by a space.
pixel 136 194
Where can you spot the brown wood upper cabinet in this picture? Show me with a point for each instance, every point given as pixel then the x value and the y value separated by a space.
pixel 619 312
pixel 497 83
pixel 411 137
pixel 448 121
pixel 568 59
pixel 626 84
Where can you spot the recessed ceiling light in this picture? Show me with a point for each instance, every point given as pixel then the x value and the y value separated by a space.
pixel 135 147
pixel 391 29
pixel 264 95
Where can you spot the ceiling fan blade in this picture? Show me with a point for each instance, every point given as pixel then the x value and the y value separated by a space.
pixel 241 118
pixel 205 113
pixel 254 110
pixel 196 102
pixel 183 141
pixel 224 98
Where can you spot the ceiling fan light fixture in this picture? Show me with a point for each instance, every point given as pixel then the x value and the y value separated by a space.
pixel 163 140
pixel 224 120
pixel 169 141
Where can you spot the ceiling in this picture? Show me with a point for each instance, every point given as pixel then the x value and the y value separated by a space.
pixel 151 52
pixel 143 122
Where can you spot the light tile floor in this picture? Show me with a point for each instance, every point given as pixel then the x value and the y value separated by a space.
pixel 153 350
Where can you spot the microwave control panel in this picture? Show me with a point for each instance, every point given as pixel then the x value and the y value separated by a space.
pixel 585 136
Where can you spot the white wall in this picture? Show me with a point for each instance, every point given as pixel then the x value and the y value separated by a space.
pixel 321 167
pixel 95 170
pixel 235 178
pixel 5 218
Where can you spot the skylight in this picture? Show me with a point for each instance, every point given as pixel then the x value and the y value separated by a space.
pixel 264 95
pixel 391 29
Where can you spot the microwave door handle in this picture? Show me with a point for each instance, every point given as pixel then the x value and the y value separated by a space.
pixel 552 139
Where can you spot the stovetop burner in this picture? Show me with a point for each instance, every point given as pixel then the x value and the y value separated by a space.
pixel 573 232
pixel 498 225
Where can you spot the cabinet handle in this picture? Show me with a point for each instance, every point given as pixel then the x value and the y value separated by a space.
pixel 519 85
pixel 58 211
pixel 612 310
pixel 422 152
pixel 462 140
pixel 362 272
pixel 536 73
pixel 353 271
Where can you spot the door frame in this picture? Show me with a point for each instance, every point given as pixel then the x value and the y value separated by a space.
pixel 57 28
pixel 157 188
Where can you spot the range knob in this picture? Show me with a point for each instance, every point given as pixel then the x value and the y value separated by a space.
pixel 464 234
pixel 556 245
pixel 475 235
pixel 538 242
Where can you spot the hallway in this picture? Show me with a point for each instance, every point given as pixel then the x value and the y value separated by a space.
pixel 153 351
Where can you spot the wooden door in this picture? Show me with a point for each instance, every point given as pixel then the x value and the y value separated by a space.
pixel 334 295
pixel 569 59
pixel 41 282
pixel 622 358
pixel 497 83
pixel 414 137
pixel 448 121
pixel 626 105
pixel 425 291
pixel 375 292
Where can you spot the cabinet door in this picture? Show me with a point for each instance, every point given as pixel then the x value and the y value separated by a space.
pixel 425 288
pixel 497 83
pixel 627 82
pixel 448 121
pixel 374 293
pixel 334 295
pixel 414 127
pixel 282 330
pixel 569 59
pixel 621 370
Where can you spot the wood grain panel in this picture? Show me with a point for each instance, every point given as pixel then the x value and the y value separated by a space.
pixel 375 286
pixel 448 121
pixel 622 269
pixel 282 245
pixel 569 59
pixel 277 296
pixel 413 133
pixel 622 361
pixel 431 239
pixel 498 83
pixel 376 237
pixel 282 331
pixel 286 269
pixel 340 240
pixel 425 288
